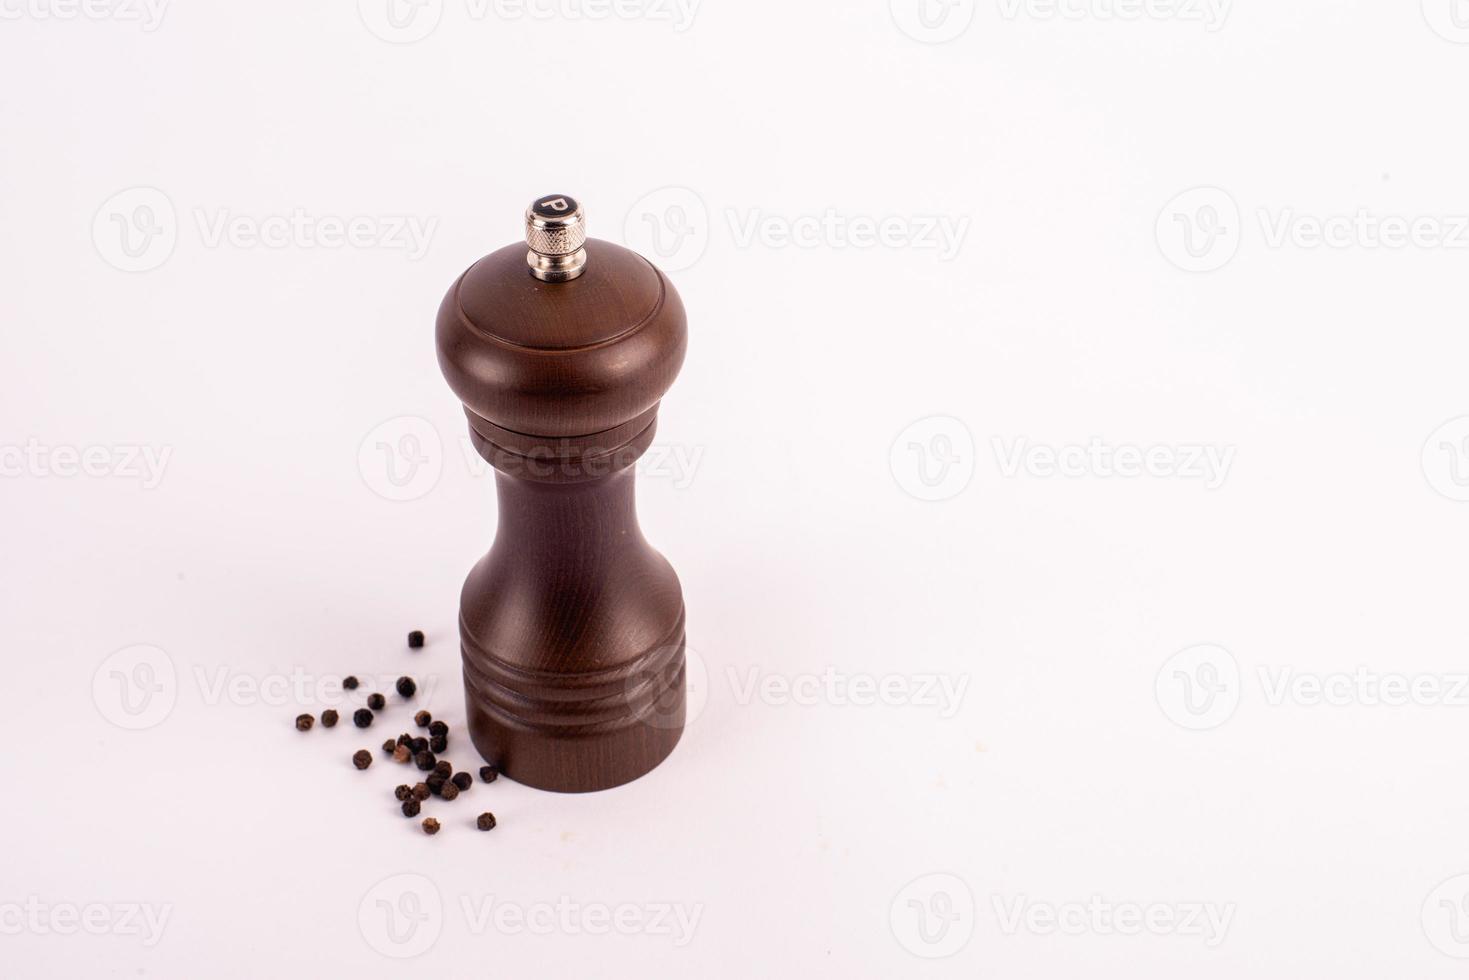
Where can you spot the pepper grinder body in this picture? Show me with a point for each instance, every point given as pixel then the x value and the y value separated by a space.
pixel 572 626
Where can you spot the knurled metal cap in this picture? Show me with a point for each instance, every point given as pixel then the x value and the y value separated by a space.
pixel 555 230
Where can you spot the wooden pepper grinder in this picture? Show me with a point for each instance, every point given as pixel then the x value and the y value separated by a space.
pixel 572 626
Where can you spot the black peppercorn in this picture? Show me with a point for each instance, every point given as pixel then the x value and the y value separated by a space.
pixel 415 639
pixel 411 807
pixel 436 783
pixel 422 719
pixel 389 746
pixel 376 702
pixel 406 687
pixel 443 768
pixel 350 683
pixel 401 753
pixel 403 792
pixel 485 821
pixel 448 790
pixel 418 745
pixel 424 761
pixel 362 718
pixel 438 744
pixel 329 718
pixel 430 826
pixel 463 780
pixel 420 791
pixel 362 758
pixel 489 773
pixel 304 723
pixel 438 728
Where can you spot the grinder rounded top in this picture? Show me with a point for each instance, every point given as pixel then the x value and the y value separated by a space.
pixel 561 357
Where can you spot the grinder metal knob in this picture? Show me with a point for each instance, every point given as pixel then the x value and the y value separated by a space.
pixel 556 230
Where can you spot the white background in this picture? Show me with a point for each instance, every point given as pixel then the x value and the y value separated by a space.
pixel 851 478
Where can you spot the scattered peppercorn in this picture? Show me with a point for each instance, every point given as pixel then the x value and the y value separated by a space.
pixel 403 792
pixel 362 718
pixel 430 826
pixel 415 639
pixel 438 744
pixel 422 719
pixel 418 745
pixel 376 701
pixel 304 723
pixel 463 780
pixel 389 746
pixel 362 758
pixel 438 728
pixel 424 761
pixel 448 790
pixel 421 791
pixel 444 768
pixel 485 821
pixel 329 718
pixel 401 754
pixel 436 783
pixel 406 687
pixel 411 807
pixel 350 683
pixel 489 773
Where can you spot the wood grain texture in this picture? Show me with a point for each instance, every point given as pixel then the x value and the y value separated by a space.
pixel 572 626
